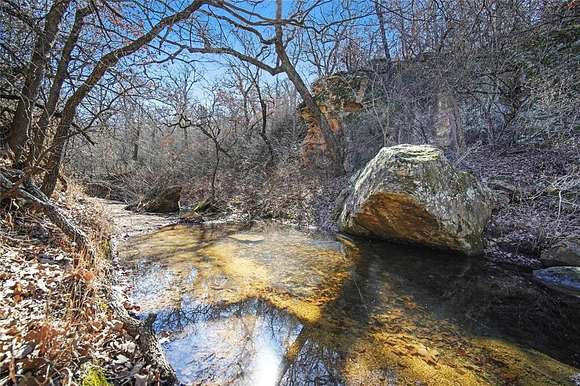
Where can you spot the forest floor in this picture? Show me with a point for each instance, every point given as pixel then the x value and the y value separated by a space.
pixel 538 191
pixel 55 322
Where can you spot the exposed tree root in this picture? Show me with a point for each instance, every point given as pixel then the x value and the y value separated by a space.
pixel 32 194
pixel 147 340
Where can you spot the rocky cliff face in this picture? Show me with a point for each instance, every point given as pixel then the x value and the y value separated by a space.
pixel 412 194
pixel 354 106
pixel 338 97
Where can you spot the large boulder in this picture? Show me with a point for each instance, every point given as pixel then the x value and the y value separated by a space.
pixel 165 201
pixel 412 194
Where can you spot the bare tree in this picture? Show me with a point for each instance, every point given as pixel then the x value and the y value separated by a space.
pixel 19 131
pixel 101 67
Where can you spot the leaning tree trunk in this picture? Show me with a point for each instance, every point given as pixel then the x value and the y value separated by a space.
pixel 332 140
pixel 18 132
pixel 32 194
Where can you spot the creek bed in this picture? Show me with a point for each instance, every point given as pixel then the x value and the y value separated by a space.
pixel 271 305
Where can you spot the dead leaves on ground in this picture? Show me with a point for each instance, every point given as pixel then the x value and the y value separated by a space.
pixel 53 318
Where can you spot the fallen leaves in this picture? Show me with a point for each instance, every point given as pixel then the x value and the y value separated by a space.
pixel 53 316
pixel 83 274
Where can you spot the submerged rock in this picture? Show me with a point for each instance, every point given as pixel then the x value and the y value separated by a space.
pixel 565 279
pixel 199 211
pixel 412 194
pixel 247 238
pixel 565 252
pixel 165 201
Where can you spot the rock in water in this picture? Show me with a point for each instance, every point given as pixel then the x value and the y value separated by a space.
pixel 412 194
pixel 165 201
pixel 565 279
pixel 247 238
pixel 565 252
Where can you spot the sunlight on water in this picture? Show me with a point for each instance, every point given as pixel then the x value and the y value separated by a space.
pixel 272 305
pixel 266 370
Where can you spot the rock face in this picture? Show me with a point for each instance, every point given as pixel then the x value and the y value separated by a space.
pixel 165 201
pixel 338 96
pixel 412 194
pixel 355 105
pixel 565 279
pixel 565 252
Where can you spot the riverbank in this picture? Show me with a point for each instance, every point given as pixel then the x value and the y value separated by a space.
pixel 39 276
pixel 536 189
pixel 57 322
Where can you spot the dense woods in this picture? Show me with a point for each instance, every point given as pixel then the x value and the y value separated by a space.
pixel 264 109
pixel 147 82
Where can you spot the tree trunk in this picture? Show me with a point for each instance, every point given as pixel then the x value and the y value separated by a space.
pixel 330 138
pixel 18 134
pixel 384 39
pixel 40 132
pixel 31 193
pixel 106 62
pixel 135 155
pixel 264 112
pixel 147 340
pixel 215 168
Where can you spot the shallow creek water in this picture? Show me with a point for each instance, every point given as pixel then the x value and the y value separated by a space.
pixel 277 306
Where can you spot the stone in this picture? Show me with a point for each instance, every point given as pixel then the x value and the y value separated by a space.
pixel 338 96
pixel 364 118
pixel 502 185
pixel 199 211
pixel 564 279
pixel 564 252
pixel 412 194
pixel 247 238
pixel 505 186
pixel 501 199
pixel 166 201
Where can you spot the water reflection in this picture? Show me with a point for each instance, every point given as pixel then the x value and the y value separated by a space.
pixel 268 306
pixel 224 344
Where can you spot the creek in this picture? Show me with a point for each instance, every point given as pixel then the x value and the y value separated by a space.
pixel 272 305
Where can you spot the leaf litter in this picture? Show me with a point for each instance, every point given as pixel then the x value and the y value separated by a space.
pixel 54 317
